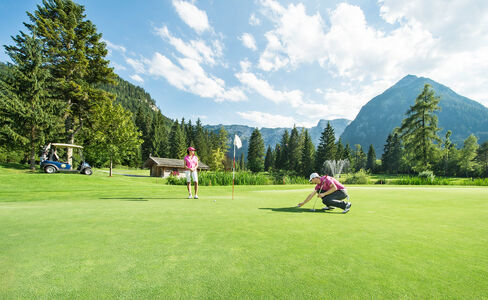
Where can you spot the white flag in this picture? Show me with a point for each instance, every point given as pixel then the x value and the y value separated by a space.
pixel 237 141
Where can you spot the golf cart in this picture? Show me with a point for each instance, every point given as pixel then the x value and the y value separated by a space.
pixel 52 159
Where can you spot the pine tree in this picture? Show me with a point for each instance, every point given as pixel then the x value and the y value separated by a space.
pixel 27 112
pixel 201 144
pixel 144 122
pixel 482 157
pixel 359 158
pixel 159 141
pixel 467 162
pixel 284 153
pixel 268 160
pixel 307 156
pixel 294 151
pixel 177 147
pixel 277 157
pixel 371 161
pixel 419 129
pixel 339 150
pixel 76 58
pixel 447 147
pixel 326 149
pixel 242 163
pixel 397 152
pixel 255 154
pixel 386 160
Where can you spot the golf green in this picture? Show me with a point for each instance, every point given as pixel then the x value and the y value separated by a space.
pixel 93 237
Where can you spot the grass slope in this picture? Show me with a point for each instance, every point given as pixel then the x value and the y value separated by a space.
pixel 91 237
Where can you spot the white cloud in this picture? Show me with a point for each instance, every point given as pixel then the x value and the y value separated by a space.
pixel 195 49
pixel 112 46
pixel 137 78
pixel 262 119
pixel 248 41
pixel 297 37
pixel 254 21
pixel 137 65
pixel 192 16
pixel 191 77
pixel 117 67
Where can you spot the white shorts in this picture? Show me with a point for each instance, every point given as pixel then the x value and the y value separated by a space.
pixel 190 174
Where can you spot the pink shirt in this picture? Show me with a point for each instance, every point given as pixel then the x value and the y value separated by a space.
pixel 191 161
pixel 327 183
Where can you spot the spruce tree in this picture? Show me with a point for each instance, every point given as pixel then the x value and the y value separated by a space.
pixel 284 153
pixel 144 122
pixel 307 156
pixel 386 162
pixel 201 144
pixel 447 147
pixel 326 149
pixel 294 151
pixel 28 113
pixel 419 129
pixel 177 146
pixel 277 157
pixel 76 58
pixel 482 158
pixel 397 153
pixel 269 159
pixel 242 163
pixel 467 162
pixel 371 160
pixel 359 158
pixel 339 150
pixel 159 141
pixel 255 154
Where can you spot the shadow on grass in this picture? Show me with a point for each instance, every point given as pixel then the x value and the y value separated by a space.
pixel 139 198
pixel 295 209
pixel 15 166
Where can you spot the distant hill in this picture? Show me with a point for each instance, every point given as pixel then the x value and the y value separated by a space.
pixel 384 112
pixel 272 136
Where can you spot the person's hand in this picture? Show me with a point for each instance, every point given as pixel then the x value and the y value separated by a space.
pixel 320 195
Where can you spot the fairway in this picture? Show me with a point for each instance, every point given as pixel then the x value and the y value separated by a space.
pixel 94 237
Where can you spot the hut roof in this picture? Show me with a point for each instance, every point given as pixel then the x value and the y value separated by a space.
pixel 171 163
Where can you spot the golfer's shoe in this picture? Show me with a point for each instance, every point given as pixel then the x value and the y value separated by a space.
pixel 190 196
pixel 328 208
pixel 348 207
pixel 196 197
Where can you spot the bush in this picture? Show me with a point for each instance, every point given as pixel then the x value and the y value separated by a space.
pixel 360 177
pixel 427 175
pixel 174 180
pixel 416 180
pixel 476 181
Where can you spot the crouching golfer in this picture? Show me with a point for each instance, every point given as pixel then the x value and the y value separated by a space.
pixel 191 166
pixel 330 190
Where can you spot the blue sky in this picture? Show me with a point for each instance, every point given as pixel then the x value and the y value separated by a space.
pixel 268 63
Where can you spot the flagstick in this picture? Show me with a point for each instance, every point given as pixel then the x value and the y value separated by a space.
pixel 233 169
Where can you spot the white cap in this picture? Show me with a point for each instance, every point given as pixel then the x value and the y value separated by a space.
pixel 313 175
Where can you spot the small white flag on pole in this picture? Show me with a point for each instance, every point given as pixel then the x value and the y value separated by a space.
pixel 237 142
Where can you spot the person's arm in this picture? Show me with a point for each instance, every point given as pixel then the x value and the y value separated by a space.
pixel 308 198
pixel 196 167
pixel 186 165
pixel 332 189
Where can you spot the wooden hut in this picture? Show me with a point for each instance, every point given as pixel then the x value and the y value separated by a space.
pixel 163 167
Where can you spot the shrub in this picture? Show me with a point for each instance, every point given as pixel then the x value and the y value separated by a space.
pixel 428 175
pixel 360 177
pixel 173 180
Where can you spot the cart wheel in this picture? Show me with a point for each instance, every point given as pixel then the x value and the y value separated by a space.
pixel 87 171
pixel 50 169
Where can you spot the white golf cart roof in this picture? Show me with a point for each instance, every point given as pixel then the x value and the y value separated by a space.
pixel 66 145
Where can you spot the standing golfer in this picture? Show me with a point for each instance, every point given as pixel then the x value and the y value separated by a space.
pixel 191 166
pixel 330 190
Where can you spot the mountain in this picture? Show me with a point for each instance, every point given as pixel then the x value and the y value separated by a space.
pixel 272 136
pixel 384 112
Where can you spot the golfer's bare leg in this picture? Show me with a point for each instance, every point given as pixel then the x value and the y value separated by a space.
pixel 188 185
pixel 196 187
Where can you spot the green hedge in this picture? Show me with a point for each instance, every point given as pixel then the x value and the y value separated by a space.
pixel 241 178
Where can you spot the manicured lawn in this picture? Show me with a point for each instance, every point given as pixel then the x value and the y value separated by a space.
pixel 76 237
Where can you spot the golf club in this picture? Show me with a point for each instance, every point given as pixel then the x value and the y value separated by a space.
pixel 319 191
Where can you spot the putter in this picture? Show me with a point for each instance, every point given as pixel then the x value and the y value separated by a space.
pixel 320 191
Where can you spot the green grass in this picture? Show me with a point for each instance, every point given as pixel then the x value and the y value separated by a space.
pixel 72 236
